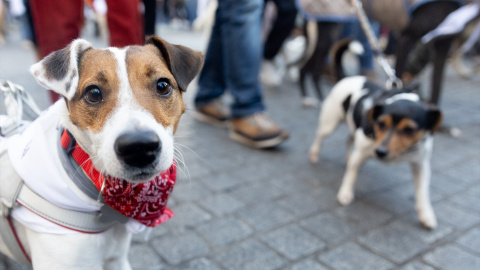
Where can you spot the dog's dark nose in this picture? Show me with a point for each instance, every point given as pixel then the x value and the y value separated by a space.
pixel 138 149
pixel 381 151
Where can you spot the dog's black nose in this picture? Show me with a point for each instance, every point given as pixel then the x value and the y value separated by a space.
pixel 138 149
pixel 381 151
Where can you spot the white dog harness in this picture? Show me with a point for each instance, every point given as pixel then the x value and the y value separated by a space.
pixel 52 196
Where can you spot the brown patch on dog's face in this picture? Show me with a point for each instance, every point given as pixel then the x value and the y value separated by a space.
pixel 97 70
pixel 397 138
pixel 146 69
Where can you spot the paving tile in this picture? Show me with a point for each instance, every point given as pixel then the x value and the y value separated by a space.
pixel 199 264
pixel 445 184
pixel 362 215
pixel 293 242
pixel 265 216
pixel 471 241
pixel 375 176
pixel 251 255
pixel 289 183
pixel 329 227
pixel 416 265
pixel 467 201
pixel 467 171
pixel 188 215
pixel 456 216
pixel 179 248
pixel 390 201
pixel 451 257
pixel 255 193
pixel 353 257
pixel 224 231
pixel 393 243
pixel 411 226
pixel 307 264
pixel 223 181
pixel 221 204
pixel 303 204
pixel 190 191
pixel 143 257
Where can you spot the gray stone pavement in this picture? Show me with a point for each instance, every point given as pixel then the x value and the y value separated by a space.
pixel 238 208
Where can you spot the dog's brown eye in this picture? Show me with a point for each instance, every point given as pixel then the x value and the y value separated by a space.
pixel 381 125
pixel 408 130
pixel 164 88
pixel 93 95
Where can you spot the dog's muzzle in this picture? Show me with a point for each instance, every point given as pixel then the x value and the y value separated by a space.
pixel 138 149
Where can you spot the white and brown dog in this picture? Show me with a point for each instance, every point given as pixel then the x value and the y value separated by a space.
pixel 105 151
pixel 390 125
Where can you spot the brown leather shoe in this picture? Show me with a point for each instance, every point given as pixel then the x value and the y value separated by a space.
pixel 214 113
pixel 257 131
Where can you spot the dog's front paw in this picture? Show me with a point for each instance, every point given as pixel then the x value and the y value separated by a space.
pixel 308 102
pixel 427 218
pixel 345 197
pixel 313 156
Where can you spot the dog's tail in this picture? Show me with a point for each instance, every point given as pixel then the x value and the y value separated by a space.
pixel 311 36
pixel 336 54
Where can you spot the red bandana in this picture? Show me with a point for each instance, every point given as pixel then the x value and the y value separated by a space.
pixel 144 202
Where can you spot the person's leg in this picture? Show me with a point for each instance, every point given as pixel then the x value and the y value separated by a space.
pixel 125 23
pixel 233 60
pixel 55 26
pixel 241 41
pixel 211 83
pixel 150 16
pixel 282 27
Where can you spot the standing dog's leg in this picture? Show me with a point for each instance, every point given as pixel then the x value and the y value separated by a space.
pixel 328 120
pixel 404 47
pixel 325 36
pixel 421 181
pixel 442 47
pixel 361 152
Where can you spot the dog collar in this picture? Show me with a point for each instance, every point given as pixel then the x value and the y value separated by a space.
pixel 145 202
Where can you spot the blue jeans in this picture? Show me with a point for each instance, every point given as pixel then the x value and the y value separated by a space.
pixel 233 57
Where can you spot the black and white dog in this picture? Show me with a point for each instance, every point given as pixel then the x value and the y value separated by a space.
pixel 390 125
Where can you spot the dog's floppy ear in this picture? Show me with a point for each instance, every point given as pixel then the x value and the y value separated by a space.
pixel 183 62
pixel 58 71
pixel 374 113
pixel 433 119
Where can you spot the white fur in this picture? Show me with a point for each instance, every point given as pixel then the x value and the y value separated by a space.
pixel 71 78
pixel 405 96
pixel 109 249
pixel 332 114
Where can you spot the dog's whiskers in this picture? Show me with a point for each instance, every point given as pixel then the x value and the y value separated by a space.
pixel 179 156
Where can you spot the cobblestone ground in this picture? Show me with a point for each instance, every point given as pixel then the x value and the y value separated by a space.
pixel 238 208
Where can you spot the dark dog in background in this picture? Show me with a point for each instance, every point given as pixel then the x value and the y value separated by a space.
pixel 423 19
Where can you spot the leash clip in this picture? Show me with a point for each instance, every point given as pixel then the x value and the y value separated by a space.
pixel 15 97
pixel 393 83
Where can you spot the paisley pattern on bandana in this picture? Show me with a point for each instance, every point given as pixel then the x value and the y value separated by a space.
pixel 144 202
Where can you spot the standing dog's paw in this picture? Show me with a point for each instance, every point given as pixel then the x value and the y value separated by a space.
pixel 428 219
pixel 308 102
pixel 344 196
pixel 313 156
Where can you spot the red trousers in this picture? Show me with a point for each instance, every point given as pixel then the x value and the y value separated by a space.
pixel 57 23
